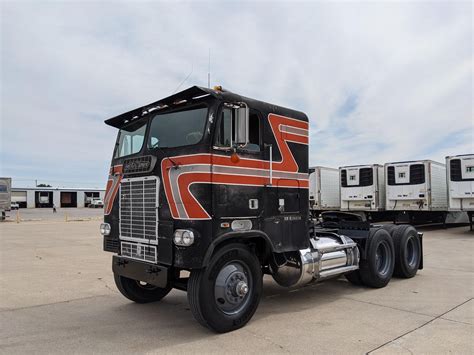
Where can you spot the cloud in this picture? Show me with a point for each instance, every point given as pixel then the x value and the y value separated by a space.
pixel 379 81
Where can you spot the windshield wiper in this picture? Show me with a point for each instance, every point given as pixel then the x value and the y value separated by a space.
pixel 157 146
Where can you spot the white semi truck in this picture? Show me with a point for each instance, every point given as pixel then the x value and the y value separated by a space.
pixel 324 189
pixel 417 190
pixel 460 179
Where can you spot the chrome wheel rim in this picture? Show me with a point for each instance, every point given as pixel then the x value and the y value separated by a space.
pixel 233 287
pixel 412 252
pixel 382 258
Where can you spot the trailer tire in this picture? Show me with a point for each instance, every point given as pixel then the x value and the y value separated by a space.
pixel 139 292
pixel 377 268
pixel 225 295
pixel 407 251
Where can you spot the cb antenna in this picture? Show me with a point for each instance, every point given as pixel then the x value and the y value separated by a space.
pixel 181 84
pixel 209 71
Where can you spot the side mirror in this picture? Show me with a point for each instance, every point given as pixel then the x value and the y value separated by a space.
pixel 242 125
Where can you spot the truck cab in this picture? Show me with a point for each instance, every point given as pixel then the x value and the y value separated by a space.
pixel 199 161
pixel 208 191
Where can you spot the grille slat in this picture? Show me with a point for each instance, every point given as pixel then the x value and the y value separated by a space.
pixel 139 209
pixel 139 251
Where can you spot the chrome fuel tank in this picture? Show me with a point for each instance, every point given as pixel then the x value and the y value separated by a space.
pixel 327 257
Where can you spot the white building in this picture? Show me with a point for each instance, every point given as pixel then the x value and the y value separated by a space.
pixel 36 197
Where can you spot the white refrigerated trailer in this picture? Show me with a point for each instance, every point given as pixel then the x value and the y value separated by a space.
pixel 417 190
pixel 460 179
pixel 324 189
pixel 363 189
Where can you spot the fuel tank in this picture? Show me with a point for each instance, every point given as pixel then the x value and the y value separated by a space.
pixel 329 256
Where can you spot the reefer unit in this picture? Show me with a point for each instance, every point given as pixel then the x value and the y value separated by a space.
pixel 362 188
pixel 416 186
pixel 460 176
pixel 324 187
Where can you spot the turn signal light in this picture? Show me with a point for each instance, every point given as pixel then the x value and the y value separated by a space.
pixel 234 158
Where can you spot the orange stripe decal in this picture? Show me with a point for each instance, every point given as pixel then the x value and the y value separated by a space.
pixel 219 169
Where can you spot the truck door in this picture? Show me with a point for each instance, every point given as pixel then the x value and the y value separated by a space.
pixel 286 197
pixel 238 180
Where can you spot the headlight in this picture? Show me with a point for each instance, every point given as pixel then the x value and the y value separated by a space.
pixel 105 228
pixel 183 237
pixel 188 238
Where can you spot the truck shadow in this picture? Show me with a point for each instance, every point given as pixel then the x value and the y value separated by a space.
pixel 173 321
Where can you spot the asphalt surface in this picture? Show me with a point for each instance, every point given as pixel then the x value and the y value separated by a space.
pixel 57 295
pixel 62 214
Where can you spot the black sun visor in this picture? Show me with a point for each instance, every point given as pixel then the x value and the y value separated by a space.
pixel 193 93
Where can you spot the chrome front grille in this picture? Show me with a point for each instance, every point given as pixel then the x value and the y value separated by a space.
pixel 139 209
pixel 139 251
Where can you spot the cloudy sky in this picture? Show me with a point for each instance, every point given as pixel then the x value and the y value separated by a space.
pixel 379 81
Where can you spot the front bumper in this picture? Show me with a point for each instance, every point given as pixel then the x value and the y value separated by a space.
pixel 152 274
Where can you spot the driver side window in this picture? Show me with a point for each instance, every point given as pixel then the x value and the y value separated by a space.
pixel 224 137
pixel 225 133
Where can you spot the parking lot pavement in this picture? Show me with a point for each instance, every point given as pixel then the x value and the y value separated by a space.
pixel 46 214
pixel 57 295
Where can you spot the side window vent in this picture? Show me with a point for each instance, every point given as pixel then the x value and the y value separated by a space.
pixel 344 178
pixel 391 175
pixel 417 174
pixel 366 177
pixel 455 167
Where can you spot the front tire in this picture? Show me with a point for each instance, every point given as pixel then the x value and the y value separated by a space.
pixel 138 291
pixel 225 295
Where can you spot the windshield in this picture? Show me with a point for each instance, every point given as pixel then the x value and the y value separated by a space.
pixel 130 139
pixel 176 129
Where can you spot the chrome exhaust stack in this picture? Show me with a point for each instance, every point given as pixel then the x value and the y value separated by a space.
pixel 329 255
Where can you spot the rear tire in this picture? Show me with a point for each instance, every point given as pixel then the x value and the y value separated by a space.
pixel 354 278
pixel 389 228
pixel 225 295
pixel 138 291
pixel 377 268
pixel 407 251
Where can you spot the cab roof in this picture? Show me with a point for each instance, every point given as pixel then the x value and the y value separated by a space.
pixel 195 93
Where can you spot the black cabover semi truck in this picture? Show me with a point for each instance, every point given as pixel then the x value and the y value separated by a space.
pixel 208 191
